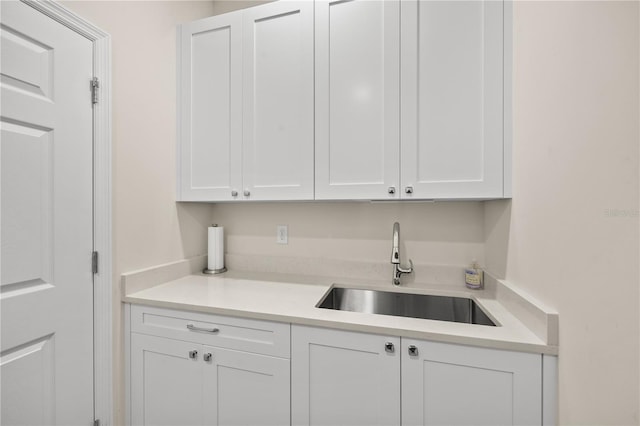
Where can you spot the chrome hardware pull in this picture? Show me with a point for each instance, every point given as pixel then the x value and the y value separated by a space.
pixel 207 357
pixel 193 354
pixel 246 193
pixel 391 190
pixel 388 347
pixel 409 190
pixel 205 330
pixel 234 193
pixel 413 350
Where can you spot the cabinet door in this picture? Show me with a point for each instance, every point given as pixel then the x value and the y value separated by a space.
pixel 344 378
pixel 210 109
pixel 278 101
pixel 166 384
pixel 452 99
pixel 242 388
pixel 357 99
pixel 446 384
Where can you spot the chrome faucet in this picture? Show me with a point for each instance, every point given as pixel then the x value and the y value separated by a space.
pixel 395 257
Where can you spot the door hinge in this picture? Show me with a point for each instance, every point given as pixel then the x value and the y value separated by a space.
pixel 96 422
pixel 94 262
pixel 95 85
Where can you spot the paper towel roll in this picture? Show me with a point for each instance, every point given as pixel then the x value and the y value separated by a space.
pixel 216 248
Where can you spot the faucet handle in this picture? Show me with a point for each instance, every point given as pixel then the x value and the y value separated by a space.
pixel 406 270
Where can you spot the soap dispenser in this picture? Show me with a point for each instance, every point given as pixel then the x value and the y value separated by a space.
pixel 474 276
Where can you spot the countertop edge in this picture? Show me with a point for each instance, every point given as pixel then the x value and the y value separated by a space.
pixel 542 349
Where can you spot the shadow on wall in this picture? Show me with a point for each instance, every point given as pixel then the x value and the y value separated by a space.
pixel 497 227
pixel 193 220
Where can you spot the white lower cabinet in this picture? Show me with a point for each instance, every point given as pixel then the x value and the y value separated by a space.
pixel 445 384
pixel 189 368
pixel 246 389
pixel 341 377
pixel 344 378
pixel 166 385
pixel 178 382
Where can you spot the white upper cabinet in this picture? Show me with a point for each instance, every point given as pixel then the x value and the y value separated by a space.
pixel 210 111
pixel 347 99
pixel 278 101
pixel 246 105
pixel 357 99
pixel 452 64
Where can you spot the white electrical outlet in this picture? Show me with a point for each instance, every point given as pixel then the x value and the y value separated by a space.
pixel 282 234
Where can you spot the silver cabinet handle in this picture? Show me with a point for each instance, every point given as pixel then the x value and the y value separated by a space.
pixel 205 330
pixel 413 350
pixel 391 190
pixel 388 347
pixel 234 193
pixel 193 354
pixel 207 357
pixel 409 190
pixel 246 193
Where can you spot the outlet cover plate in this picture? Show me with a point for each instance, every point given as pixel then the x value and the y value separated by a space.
pixel 282 234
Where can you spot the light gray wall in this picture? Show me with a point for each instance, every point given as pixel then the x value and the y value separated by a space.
pixel 225 6
pixel 570 237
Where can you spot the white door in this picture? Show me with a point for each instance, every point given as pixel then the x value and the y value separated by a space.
pixel 278 101
pixel 211 109
pixel 452 99
pixel 166 381
pixel 444 384
pixel 357 99
pixel 46 284
pixel 242 388
pixel 344 378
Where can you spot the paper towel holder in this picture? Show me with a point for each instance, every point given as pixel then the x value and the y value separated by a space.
pixel 208 271
pixel 214 271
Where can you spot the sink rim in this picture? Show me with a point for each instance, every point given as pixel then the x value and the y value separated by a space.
pixel 410 291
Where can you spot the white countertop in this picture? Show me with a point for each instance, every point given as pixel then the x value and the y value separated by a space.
pixel 294 301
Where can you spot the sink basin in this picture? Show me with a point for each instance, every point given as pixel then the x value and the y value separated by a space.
pixel 441 308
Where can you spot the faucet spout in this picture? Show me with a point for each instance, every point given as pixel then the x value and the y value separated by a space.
pixel 395 251
pixel 398 270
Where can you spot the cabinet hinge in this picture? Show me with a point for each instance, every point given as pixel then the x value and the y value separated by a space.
pixel 95 85
pixel 94 262
pixel 96 422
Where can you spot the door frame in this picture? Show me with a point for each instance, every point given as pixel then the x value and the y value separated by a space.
pixel 102 281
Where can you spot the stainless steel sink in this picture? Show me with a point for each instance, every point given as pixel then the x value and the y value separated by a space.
pixel 442 308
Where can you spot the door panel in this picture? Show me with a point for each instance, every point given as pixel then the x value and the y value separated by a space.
pixel 211 107
pixel 32 366
pixel 242 388
pixel 448 384
pixel 344 378
pixel 278 101
pixel 357 99
pixel 166 384
pixel 27 235
pixel 26 63
pixel 452 73
pixel 46 285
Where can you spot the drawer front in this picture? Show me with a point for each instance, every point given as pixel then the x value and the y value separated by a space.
pixel 262 337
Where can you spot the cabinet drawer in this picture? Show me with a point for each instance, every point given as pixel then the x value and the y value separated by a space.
pixel 263 337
